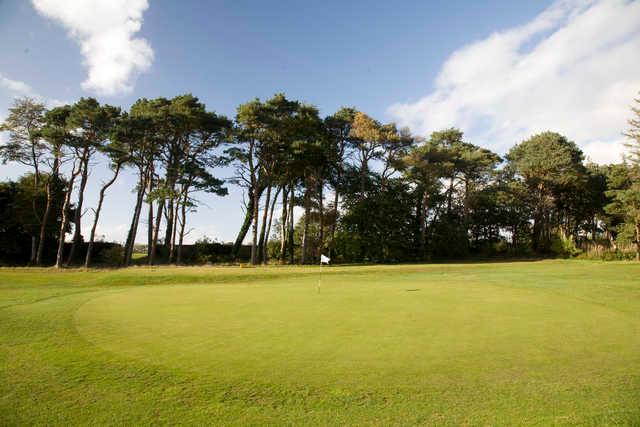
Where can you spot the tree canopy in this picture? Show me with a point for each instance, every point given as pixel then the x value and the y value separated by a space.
pixel 346 184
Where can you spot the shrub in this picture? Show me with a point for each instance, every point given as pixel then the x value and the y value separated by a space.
pixel 564 246
pixel 111 256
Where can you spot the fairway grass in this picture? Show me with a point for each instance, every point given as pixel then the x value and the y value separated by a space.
pixel 522 343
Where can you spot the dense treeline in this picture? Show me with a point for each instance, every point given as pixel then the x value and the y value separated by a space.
pixel 363 191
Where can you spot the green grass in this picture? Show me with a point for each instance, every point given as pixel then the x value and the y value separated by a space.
pixel 531 343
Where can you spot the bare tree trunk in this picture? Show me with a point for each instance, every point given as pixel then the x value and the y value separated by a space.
pixel 150 218
pixel 133 229
pixel 131 240
pixel 34 250
pixel 305 233
pixel 43 225
pixel 266 241
pixel 65 215
pixel 422 217
pixel 183 212
pixel 78 214
pixel 36 184
pixel 283 225
pixel 244 229
pixel 291 224
pixel 47 210
pixel 169 213
pixel 87 259
pixel 246 224
pixel 174 226
pixel 263 229
pixel 335 220
pixel 156 232
pixel 254 230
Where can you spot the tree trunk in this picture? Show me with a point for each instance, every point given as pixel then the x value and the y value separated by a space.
pixel 34 250
pixel 422 218
pixel 36 184
pixel 537 232
pixel 254 229
pixel 265 247
pixel 156 232
pixel 174 226
pixel 78 214
pixel 283 226
pixel 246 224
pixel 305 233
pixel 335 220
pixel 87 259
pixel 43 223
pixel 291 224
pixel 450 196
pixel 133 229
pixel 169 211
pixel 183 213
pixel 263 229
pixel 47 210
pixel 65 215
pixel 150 219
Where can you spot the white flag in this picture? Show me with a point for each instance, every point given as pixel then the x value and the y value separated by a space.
pixel 324 259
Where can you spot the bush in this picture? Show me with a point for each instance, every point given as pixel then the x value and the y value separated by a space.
pixel 564 246
pixel 111 256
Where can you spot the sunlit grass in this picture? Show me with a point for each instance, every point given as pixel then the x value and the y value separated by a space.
pixel 504 343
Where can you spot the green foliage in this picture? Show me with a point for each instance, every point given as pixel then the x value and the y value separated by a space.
pixel 564 246
pixel 24 124
pixel 111 256
pixel 21 207
pixel 380 227
pixel 549 165
pixel 369 191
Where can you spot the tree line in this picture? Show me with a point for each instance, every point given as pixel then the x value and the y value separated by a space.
pixel 365 191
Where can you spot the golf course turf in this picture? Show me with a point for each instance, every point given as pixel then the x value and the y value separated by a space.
pixel 514 343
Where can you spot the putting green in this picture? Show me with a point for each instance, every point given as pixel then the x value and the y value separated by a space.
pixel 363 334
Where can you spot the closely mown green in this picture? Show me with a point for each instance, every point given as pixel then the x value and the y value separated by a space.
pixel 535 343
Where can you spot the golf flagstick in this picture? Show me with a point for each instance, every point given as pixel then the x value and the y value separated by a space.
pixel 323 260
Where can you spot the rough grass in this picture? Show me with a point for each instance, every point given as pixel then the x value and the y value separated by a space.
pixel 553 342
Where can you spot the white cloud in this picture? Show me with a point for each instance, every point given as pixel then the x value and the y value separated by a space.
pixel 573 69
pixel 105 31
pixel 17 88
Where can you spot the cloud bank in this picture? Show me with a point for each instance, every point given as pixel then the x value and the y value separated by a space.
pixel 105 31
pixel 574 69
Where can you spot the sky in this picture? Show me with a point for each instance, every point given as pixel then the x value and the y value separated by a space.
pixel 499 70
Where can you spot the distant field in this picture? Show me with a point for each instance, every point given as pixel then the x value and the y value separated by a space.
pixel 552 342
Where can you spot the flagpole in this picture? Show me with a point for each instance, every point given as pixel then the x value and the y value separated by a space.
pixel 320 278
pixel 323 260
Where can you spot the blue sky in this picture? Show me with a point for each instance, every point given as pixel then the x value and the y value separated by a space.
pixel 500 70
